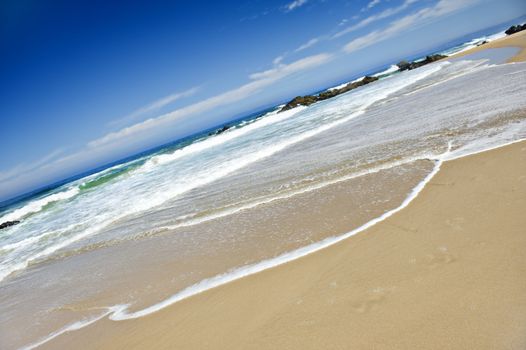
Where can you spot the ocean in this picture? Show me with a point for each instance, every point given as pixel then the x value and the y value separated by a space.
pixel 136 236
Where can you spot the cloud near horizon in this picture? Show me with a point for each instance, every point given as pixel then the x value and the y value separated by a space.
pixel 154 106
pixel 412 21
pixel 258 81
pixel 371 19
pixel 361 24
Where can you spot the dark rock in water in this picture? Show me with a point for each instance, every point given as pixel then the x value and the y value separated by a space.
pixel 404 65
pixel 8 223
pixel 515 29
pixel 219 131
pixel 310 99
pixel 299 100
pixel 482 43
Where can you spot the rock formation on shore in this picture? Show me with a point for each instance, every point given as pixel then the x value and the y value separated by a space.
pixel 515 29
pixel 219 131
pixel 404 65
pixel 310 99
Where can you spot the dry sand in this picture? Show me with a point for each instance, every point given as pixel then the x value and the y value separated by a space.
pixel 447 272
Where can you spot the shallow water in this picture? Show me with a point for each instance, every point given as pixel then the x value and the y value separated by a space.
pixel 140 232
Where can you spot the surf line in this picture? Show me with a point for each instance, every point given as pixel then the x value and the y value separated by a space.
pixel 120 313
pixel 216 281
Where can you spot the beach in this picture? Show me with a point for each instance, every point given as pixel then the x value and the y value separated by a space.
pixel 515 40
pixel 446 271
pixel 387 217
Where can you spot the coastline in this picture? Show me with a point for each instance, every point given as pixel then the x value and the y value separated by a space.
pixel 257 330
pixel 515 40
pixel 440 273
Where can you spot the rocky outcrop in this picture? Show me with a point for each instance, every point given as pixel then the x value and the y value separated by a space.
pixel 8 223
pixel 219 131
pixel 515 29
pixel 404 65
pixel 310 99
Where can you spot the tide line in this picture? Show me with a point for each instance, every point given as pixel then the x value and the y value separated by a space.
pixel 216 281
pixel 120 312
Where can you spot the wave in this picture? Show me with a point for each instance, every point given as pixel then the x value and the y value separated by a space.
pixel 392 69
pixel 39 204
pixel 216 140
pixel 191 220
pixel 107 176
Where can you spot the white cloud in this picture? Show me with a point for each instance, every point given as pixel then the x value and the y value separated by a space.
pixel 384 14
pixel 278 60
pixel 294 5
pixel 154 106
pixel 371 4
pixel 423 16
pixel 308 44
pixel 259 81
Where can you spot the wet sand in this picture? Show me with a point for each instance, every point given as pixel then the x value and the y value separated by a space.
pixel 515 40
pixel 448 271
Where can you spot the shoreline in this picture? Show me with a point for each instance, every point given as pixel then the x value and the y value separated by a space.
pixel 123 331
pixel 158 317
pixel 517 40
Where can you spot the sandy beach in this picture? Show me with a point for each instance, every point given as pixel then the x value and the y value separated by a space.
pixel 447 271
pixel 515 40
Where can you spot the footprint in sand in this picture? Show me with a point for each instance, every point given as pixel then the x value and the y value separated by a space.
pixel 440 257
pixel 372 300
pixel 456 223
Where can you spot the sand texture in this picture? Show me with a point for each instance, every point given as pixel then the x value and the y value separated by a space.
pixel 448 271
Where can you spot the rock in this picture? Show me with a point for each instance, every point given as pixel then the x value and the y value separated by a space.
pixel 219 131
pixel 515 29
pixel 482 43
pixel 8 223
pixel 310 99
pixel 404 65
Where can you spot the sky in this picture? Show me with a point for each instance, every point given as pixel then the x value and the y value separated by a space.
pixel 84 83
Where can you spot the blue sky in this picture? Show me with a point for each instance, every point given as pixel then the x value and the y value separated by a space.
pixel 88 82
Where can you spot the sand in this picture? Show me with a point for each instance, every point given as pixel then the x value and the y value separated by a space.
pixel 446 272
pixel 514 40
